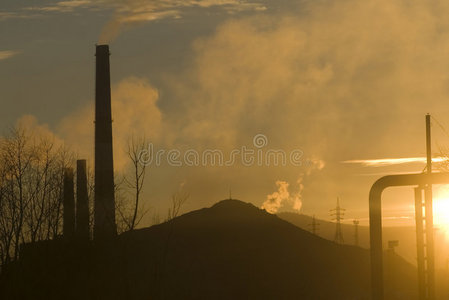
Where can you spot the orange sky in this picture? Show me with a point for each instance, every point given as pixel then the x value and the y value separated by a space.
pixel 341 81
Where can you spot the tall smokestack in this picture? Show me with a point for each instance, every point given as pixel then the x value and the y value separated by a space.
pixel 68 205
pixel 82 202
pixel 104 227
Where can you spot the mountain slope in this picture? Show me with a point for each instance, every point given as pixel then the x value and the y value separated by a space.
pixel 231 250
pixel 406 235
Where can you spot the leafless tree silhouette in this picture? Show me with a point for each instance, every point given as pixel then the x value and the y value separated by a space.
pixel 131 212
pixel 31 174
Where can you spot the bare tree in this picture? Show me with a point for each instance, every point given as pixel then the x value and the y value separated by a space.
pixel 131 212
pixel 136 153
pixel 178 199
pixel 30 190
pixel 17 155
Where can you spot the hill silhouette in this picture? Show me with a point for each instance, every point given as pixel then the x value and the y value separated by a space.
pixel 406 235
pixel 232 250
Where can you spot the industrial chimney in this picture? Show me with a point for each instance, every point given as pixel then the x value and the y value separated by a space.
pixel 68 203
pixel 104 215
pixel 82 202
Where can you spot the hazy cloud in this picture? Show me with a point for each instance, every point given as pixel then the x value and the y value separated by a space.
pixel 134 109
pixel 39 130
pixel 8 54
pixel 62 6
pixel 382 162
pixel 338 79
pixel 131 12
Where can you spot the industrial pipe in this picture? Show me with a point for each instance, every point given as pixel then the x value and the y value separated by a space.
pixel 375 219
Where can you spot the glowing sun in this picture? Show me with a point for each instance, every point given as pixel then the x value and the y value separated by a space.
pixel 441 209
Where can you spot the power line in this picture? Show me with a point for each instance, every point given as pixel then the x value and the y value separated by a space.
pixel 314 226
pixel 356 232
pixel 338 214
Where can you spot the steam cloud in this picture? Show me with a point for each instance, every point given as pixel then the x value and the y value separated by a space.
pixel 282 198
pixel 340 79
pixel 134 107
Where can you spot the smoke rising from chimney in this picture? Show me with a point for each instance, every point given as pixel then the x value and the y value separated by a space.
pixel 129 13
pixel 120 22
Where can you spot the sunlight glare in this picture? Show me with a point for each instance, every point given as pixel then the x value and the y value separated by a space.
pixel 441 210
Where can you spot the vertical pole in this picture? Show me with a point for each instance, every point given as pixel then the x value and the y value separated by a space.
pixel 105 227
pixel 82 202
pixel 68 205
pixel 356 232
pixel 429 217
pixel 375 235
pixel 420 243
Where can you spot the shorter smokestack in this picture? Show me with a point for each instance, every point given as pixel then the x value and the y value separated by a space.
pixel 68 205
pixel 82 202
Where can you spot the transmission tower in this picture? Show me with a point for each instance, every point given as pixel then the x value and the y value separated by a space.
pixel 337 214
pixel 356 232
pixel 314 226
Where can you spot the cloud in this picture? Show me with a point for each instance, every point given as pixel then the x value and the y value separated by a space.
pixel 119 22
pixel 39 130
pixel 62 6
pixel 7 15
pixel 337 79
pixel 134 110
pixel 382 162
pixel 127 13
pixel 340 80
pixel 131 12
pixel 8 54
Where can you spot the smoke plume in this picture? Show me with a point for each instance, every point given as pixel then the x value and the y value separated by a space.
pixel 134 108
pixel 129 13
pixel 282 198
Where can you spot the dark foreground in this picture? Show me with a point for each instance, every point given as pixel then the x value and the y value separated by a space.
pixel 232 250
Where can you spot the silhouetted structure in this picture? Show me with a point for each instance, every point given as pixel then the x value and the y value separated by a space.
pixel 426 263
pixel 68 205
pixel 430 251
pixel 424 229
pixel 420 246
pixel 356 232
pixel 104 215
pixel 338 214
pixel 82 202
pixel 314 225
pixel 232 250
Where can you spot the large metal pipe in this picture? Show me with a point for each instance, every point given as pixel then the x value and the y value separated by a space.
pixel 68 218
pixel 420 243
pixel 82 202
pixel 375 219
pixel 104 214
pixel 430 251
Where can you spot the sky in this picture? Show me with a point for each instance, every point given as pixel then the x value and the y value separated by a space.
pixel 337 85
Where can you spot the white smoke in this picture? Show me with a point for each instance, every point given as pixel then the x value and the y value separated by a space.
pixel 282 198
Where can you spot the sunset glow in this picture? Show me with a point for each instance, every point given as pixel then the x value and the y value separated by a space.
pixel 231 149
pixel 441 210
